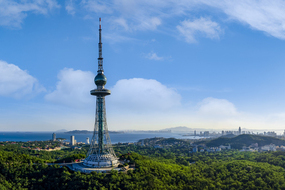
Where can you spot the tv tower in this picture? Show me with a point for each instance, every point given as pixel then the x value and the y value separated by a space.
pixel 101 153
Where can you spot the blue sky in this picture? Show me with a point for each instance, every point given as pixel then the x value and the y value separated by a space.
pixel 201 64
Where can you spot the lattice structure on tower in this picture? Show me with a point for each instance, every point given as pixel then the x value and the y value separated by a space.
pixel 101 153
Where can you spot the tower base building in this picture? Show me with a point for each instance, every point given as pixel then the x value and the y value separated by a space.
pixel 102 161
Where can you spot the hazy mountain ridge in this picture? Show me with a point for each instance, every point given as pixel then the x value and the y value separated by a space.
pixel 184 129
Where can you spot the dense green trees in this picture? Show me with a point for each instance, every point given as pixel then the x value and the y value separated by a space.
pixel 238 142
pixel 48 156
pixel 71 158
pixel 155 169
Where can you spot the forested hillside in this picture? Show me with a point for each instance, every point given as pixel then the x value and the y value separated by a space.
pixel 154 169
pixel 238 142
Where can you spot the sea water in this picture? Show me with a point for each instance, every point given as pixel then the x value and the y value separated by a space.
pixel 115 137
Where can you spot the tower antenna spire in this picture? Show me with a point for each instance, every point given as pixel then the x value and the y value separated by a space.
pixel 100 58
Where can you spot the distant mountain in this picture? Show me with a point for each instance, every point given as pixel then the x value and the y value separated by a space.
pixel 79 132
pixel 86 132
pixel 244 140
pixel 179 129
pixel 61 131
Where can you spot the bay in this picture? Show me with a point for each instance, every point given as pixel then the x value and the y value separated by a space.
pixel 115 137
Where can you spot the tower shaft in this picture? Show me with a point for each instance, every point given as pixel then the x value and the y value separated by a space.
pixel 100 115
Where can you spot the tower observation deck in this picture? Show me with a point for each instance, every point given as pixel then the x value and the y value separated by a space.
pixel 101 153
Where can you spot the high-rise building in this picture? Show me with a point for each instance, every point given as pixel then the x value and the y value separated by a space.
pixel 53 137
pixel 239 130
pixel 87 140
pixel 195 149
pixel 101 153
pixel 206 133
pixel 72 140
pixel 195 133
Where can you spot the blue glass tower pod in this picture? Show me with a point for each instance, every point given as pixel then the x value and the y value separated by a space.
pixel 101 153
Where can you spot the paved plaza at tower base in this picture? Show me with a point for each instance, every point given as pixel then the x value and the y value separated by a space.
pixel 84 169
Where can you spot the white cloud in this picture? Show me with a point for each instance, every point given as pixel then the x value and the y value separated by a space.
pixel 17 83
pixel 97 6
pixel 114 38
pixel 213 106
pixel 263 15
pixel 137 94
pixel 137 23
pixel 141 95
pixel 154 56
pixel 121 22
pixel 189 29
pixel 73 88
pixel 130 15
pixel 149 23
pixel 131 99
pixel 12 13
pixel 70 6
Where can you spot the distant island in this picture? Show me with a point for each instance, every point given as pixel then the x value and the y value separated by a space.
pixel 87 132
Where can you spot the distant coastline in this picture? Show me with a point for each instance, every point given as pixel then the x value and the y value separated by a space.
pixel 87 132
pixel 119 132
pixel 148 131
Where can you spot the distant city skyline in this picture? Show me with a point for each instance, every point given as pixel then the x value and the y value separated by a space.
pixel 214 65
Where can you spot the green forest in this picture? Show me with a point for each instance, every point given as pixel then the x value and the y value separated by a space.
pixel 155 168
pixel 244 140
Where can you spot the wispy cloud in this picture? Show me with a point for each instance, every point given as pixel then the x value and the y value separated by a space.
pixel 204 26
pixel 121 22
pixel 154 56
pixel 12 13
pixel 149 24
pixel 114 38
pixel 97 6
pixel 131 15
pixel 263 15
pixel 70 7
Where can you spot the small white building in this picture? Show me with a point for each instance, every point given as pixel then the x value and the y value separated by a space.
pixel 211 149
pixel 218 149
pixel 248 149
pixel 225 147
pixel 270 147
